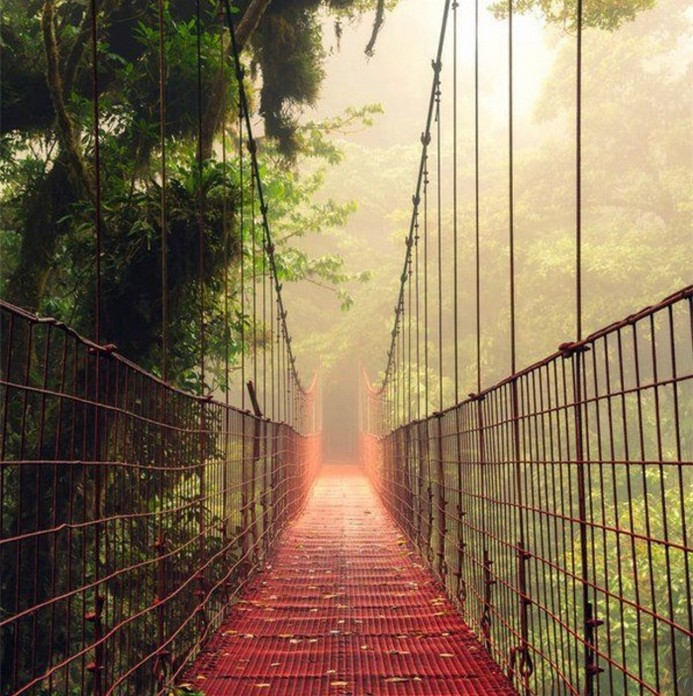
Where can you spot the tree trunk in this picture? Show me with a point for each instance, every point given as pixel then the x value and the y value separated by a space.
pixel 214 112
pixel 50 202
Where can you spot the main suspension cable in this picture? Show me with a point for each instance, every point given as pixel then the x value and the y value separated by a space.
pixel 267 236
pixel 416 200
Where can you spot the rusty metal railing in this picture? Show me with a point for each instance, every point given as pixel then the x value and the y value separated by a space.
pixel 587 456
pixel 132 513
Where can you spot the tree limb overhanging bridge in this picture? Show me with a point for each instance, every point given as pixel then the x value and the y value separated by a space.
pixel 531 538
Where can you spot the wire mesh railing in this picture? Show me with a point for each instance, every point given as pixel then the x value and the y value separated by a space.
pixel 556 508
pixel 132 513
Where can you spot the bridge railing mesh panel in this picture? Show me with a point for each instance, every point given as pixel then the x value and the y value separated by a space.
pixel 557 507
pixel 132 513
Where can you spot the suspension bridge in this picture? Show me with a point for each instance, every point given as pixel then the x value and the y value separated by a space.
pixel 531 537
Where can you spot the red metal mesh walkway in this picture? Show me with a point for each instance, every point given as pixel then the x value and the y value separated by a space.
pixel 346 608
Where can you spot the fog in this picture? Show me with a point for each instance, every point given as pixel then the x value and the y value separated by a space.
pixel 636 189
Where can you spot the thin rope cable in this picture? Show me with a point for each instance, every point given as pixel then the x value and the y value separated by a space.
pixel 455 292
pixel 163 222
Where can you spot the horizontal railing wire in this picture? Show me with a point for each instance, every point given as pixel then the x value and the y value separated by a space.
pixel 451 482
pixel 71 412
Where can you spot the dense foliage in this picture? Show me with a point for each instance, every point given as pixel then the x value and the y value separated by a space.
pixel 48 180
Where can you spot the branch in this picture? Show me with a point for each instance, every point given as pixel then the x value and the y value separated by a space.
pixel 214 111
pixel 66 129
pixel 377 24
pixel 75 55
pixel 250 20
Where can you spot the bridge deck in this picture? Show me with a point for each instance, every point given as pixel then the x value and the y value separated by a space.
pixel 346 608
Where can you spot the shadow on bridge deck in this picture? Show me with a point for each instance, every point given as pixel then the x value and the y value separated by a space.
pixel 345 608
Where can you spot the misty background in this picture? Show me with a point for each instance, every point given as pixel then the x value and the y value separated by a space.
pixel 637 118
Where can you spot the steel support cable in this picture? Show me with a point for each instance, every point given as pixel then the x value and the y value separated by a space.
pixel 264 330
pixel 163 221
pixel 252 148
pixel 202 522
pixel 396 379
pixel 461 583
pixel 427 384
pixel 95 616
pixel 418 318
pixel 485 620
pixel 270 337
pixel 477 250
pixel 455 252
pixel 519 653
pixel 439 238
pixel 409 340
pixel 226 235
pixel 253 278
pixel 241 225
pixel 590 620
pixel 162 661
pixel 200 199
pixel 280 375
pixel 425 138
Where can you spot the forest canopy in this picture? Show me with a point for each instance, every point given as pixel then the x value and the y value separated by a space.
pixel 165 95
